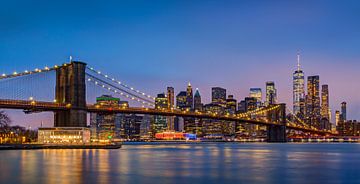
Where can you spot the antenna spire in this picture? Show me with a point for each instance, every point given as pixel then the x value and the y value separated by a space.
pixel 298 61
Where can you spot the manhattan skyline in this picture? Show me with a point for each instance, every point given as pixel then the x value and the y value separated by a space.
pixel 234 48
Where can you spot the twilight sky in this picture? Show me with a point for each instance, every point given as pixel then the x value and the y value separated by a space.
pixel 153 44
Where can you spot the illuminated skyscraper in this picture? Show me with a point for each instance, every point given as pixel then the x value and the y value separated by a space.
pixel 189 97
pixel 106 126
pixel 218 96
pixel 181 100
pixel 313 114
pixel 343 112
pixel 270 93
pixel 197 101
pixel 160 123
pixel 337 118
pixel 256 93
pixel 170 97
pixel 325 102
pixel 231 104
pixel 299 91
pixel 171 105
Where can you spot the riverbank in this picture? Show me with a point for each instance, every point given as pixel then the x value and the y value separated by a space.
pixel 55 146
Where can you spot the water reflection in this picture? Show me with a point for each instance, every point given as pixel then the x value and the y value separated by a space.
pixel 186 163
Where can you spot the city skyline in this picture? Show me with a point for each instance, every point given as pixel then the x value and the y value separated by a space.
pixel 229 48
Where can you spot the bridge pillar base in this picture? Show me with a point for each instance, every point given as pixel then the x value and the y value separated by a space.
pixel 276 133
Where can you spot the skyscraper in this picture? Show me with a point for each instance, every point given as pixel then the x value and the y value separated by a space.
pixel 337 118
pixel 105 126
pixel 181 100
pixel 218 96
pixel 256 93
pixel 270 93
pixel 231 104
pixel 160 123
pixel 325 102
pixel 299 91
pixel 189 97
pixel 170 97
pixel 197 101
pixel 343 112
pixel 313 114
pixel 170 103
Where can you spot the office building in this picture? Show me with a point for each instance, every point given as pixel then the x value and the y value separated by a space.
pixel 313 114
pixel 218 96
pixel 299 91
pixel 271 94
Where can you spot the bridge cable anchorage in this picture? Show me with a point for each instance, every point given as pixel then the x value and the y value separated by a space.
pixel 27 72
pixel 106 86
pixel 118 82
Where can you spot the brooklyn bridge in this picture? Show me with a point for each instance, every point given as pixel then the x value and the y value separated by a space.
pixel 70 106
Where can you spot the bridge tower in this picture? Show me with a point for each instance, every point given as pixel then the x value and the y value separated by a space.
pixel 71 90
pixel 277 133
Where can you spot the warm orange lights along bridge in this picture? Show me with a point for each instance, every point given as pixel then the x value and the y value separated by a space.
pixel 32 105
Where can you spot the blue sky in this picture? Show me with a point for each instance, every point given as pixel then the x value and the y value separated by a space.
pixel 153 44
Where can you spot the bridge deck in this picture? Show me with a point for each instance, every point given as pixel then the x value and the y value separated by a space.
pixel 52 106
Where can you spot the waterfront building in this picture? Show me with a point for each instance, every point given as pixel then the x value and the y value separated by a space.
pixel 130 126
pixel 349 128
pixel 64 135
pixel 160 124
pixel 171 105
pixel 218 96
pixel 213 129
pixel 257 94
pixel 271 94
pixel 343 112
pixel 198 106
pixel 313 115
pixel 145 127
pixel 106 126
pixel 299 91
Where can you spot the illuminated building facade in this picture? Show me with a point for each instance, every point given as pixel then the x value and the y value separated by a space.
pixel 106 126
pixel 198 106
pixel 160 124
pixel 231 105
pixel 299 91
pixel 213 129
pixel 343 112
pixel 181 100
pixel 271 95
pixel 180 104
pixel 218 96
pixel 337 118
pixel 189 97
pixel 325 102
pixel 313 115
pixel 256 93
pixel 64 135
pixel 171 105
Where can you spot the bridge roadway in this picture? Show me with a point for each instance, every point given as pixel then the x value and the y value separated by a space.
pixel 53 106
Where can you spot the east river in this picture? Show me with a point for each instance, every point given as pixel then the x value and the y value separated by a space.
pixel 211 163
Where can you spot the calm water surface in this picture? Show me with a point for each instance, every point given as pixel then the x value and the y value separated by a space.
pixel 187 163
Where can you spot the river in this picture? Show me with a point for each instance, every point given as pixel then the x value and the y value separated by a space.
pixel 211 163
